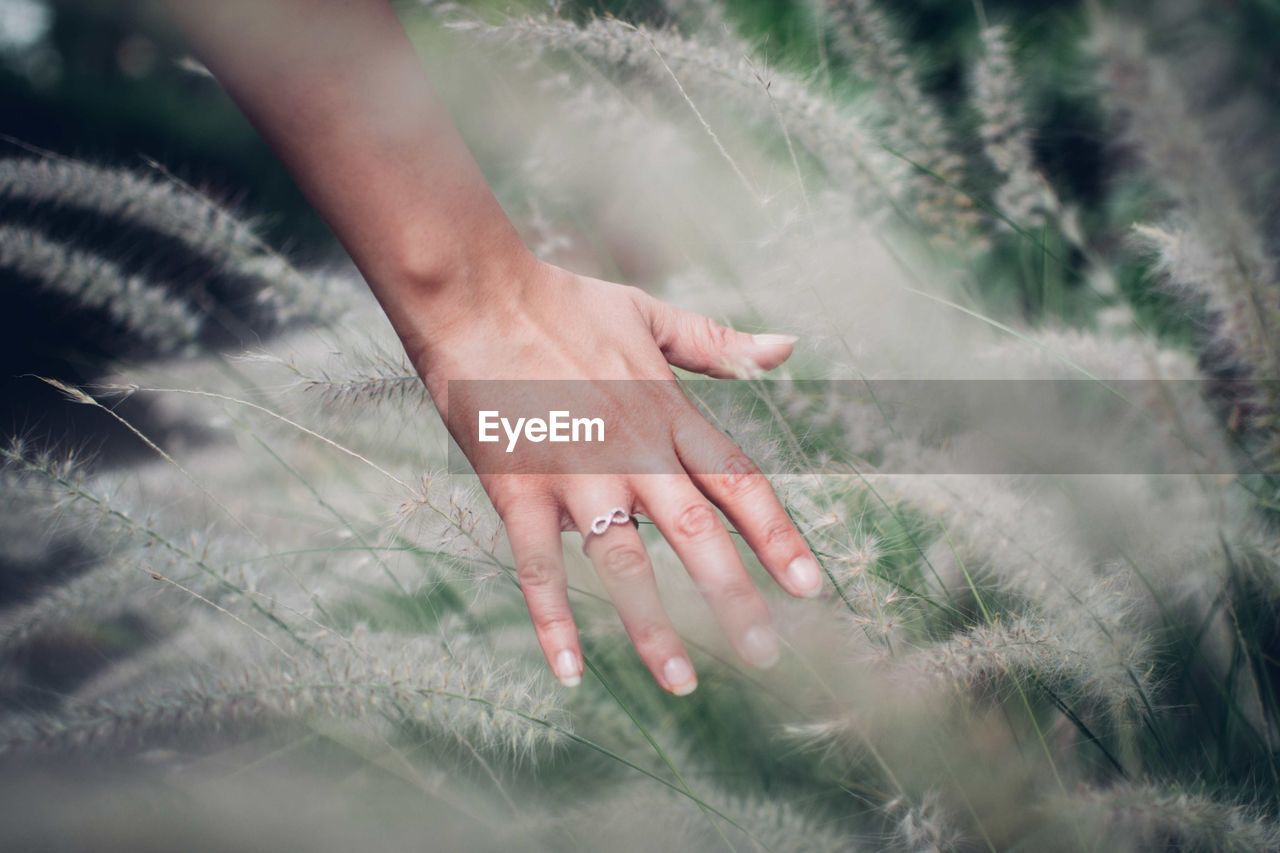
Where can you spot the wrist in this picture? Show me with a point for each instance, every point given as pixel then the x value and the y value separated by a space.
pixel 438 292
pixel 465 266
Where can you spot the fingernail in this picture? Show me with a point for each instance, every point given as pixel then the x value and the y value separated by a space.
pixel 567 669
pixel 805 575
pixel 760 647
pixel 680 677
pixel 774 340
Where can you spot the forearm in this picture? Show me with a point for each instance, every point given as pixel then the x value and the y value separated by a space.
pixel 336 88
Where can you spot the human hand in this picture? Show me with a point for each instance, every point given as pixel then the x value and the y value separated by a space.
pixel 551 324
pixel 339 91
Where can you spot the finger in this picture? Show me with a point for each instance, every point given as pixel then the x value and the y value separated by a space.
pixel 700 539
pixel 620 559
pixel 724 474
pixel 534 533
pixel 700 344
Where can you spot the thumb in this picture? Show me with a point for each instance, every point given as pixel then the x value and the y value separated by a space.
pixel 702 345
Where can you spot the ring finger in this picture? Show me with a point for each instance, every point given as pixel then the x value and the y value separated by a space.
pixel 619 557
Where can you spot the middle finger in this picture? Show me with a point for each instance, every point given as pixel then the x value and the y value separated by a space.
pixel 700 539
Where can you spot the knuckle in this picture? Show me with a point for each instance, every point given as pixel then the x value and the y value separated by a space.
pixel 740 474
pixel 638 296
pixel 537 572
pixel 504 502
pixel 696 521
pixel 511 498
pixel 650 635
pixel 778 533
pixel 555 623
pixel 625 561
pixel 738 593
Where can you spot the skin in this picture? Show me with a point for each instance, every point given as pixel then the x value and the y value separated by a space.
pixel 337 90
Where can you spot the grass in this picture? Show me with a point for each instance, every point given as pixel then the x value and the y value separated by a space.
pixel 1002 662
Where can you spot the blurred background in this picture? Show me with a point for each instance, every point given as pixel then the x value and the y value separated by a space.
pixel 93 80
pixel 1114 643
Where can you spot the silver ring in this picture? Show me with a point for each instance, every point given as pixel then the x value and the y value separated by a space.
pixel 601 523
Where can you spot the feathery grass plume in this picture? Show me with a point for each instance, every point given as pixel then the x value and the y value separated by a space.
pixel 294 296
pixel 131 198
pixel 1217 253
pixel 1156 120
pixel 1211 55
pixel 201 645
pixel 1166 400
pixel 836 136
pixel 26 554
pixel 1197 268
pixel 627 147
pixel 854 563
pixel 1013 539
pixel 705 17
pixel 385 679
pixel 175 211
pixel 67 484
pixel 1032 650
pixel 158 589
pixel 236 582
pixel 456 521
pixel 922 826
pixel 1064 353
pixel 1149 816
pixel 53 484
pixel 915 126
pixel 784 825
pixel 142 307
pixel 1203 275
pixel 643 816
pixel 368 373
pixel 43 540
pixel 105 594
pixel 1024 196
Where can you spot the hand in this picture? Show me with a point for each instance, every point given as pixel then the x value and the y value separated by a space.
pixel 552 324
pixel 338 90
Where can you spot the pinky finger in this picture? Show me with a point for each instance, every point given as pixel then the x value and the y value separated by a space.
pixel 535 542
